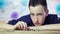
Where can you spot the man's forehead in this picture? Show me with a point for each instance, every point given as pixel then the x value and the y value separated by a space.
pixel 35 8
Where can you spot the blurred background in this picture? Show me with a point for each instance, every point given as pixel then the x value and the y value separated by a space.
pixel 14 9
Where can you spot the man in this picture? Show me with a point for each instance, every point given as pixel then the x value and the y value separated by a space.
pixel 38 15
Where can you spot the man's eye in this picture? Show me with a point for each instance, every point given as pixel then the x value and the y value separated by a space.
pixel 32 14
pixel 39 14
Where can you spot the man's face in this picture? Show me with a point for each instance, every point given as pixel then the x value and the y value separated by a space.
pixel 38 14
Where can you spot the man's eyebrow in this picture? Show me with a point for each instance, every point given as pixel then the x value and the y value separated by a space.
pixel 39 13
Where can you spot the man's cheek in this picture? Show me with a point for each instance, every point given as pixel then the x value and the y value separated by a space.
pixel 41 19
pixel 33 20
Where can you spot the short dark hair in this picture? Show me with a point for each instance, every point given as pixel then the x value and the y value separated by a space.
pixel 38 2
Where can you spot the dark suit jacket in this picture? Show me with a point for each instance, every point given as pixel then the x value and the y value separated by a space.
pixel 50 19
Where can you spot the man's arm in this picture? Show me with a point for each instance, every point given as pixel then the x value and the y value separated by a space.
pixel 20 25
pixel 4 25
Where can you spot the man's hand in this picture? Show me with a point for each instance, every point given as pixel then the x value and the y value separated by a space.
pixel 21 26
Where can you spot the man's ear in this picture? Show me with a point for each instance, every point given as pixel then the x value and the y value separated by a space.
pixel 47 11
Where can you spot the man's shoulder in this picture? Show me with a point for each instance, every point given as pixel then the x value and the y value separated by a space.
pixel 52 19
pixel 25 18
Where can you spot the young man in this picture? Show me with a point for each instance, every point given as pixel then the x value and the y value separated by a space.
pixel 38 15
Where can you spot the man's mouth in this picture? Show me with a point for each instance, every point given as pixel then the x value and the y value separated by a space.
pixel 37 23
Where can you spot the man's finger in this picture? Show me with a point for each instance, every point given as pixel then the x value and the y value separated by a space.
pixel 25 26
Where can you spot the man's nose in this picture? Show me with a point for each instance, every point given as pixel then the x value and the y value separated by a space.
pixel 36 18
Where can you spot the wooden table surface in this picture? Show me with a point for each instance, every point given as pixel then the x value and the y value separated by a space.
pixel 46 29
pixel 42 30
pixel 2 31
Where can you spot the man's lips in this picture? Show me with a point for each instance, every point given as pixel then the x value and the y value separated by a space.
pixel 37 23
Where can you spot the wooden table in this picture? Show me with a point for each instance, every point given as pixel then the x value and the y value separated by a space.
pixel 43 31
pixel 2 31
pixel 46 29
